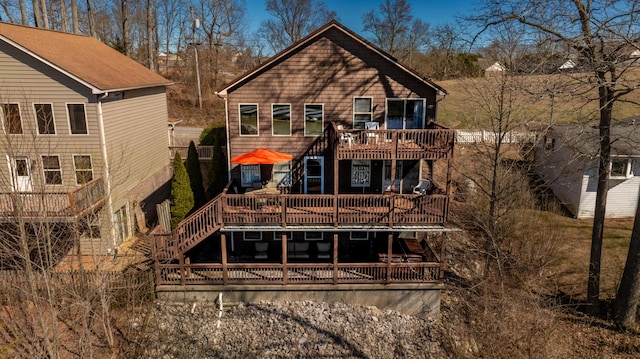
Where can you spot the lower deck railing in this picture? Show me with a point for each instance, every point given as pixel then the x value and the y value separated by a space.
pixel 298 273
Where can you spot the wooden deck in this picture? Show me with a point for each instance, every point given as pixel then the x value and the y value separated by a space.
pixel 428 144
pixel 52 205
pixel 298 273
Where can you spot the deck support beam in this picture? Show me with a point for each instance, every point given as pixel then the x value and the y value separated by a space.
pixel 389 255
pixel 223 250
pixel 285 274
pixel 335 258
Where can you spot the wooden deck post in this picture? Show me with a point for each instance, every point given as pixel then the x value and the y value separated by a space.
pixel 285 274
pixel 223 251
pixel 335 190
pixel 443 261
pixel 335 258
pixel 394 156
pixel 183 280
pixel 389 253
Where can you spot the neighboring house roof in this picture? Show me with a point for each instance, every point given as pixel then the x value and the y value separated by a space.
pixel 625 138
pixel 569 64
pixel 82 58
pixel 314 36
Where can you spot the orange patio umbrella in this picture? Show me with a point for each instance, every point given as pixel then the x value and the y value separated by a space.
pixel 261 156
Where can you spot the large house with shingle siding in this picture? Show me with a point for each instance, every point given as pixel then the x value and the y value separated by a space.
pixel 358 214
pixel 84 129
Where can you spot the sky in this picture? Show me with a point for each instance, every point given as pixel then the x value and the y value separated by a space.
pixel 350 11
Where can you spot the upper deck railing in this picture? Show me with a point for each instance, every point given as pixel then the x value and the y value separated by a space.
pixel 53 204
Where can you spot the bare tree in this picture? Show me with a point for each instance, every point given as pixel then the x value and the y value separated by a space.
pixel 395 30
pixel 602 33
pixel 293 19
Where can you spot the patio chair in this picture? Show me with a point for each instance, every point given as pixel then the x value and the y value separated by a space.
pixel 323 250
pixel 345 137
pixel 261 250
pixel 372 135
pixel 422 187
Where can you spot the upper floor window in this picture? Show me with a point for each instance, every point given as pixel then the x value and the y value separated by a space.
pixel 404 114
pixel 77 118
pixel 248 119
pixel 362 111
pixel 11 115
pixel 84 169
pixel 624 167
pixel 51 169
pixel 44 118
pixel 313 119
pixel 281 120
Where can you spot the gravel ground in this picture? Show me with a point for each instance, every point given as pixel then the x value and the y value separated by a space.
pixel 285 330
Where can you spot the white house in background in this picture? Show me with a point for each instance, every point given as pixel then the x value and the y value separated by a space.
pixel 495 69
pixel 568 65
pixel 567 160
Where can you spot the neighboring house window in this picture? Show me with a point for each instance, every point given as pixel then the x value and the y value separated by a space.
pixel 121 222
pixel 405 114
pixel 620 168
pixel 249 174
pixel 313 120
pixel 249 120
pixel 549 143
pixel 360 173
pixel 84 170
pixel 282 173
pixel 11 116
pixel 44 118
pixel 77 118
pixel 362 111
pixel 51 168
pixel 281 120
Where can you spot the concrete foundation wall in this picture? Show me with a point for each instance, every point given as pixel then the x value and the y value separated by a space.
pixel 421 300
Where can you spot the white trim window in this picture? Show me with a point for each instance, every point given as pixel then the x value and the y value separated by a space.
pixel 359 236
pixel 360 173
pixel 249 174
pixel 248 119
pixel 362 111
pixel 83 168
pixel 252 236
pixel 51 170
pixel 11 119
pixel 281 119
pixel 405 114
pixel 282 173
pixel 277 236
pixel 77 119
pixel 44 118
pixel 623 167
pixel 313 236
pixel 313 119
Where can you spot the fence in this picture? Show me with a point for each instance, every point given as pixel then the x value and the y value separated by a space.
pixel 484 136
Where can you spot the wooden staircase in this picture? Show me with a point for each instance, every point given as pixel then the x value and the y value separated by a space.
pixel 192 230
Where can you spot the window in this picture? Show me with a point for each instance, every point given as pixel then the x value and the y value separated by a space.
pixel 313 120
pixel 362 111
pixel 359 236
pixel 281 120
pixel 249 120
pixel 360 173
pixel 51 168
pixel 84 170
pixel 277 236
pixel 121 222
pixel 77 118
pixel 252 236
pixel 282 173
pixel 249 174
pixel 11 116
pixel 549 143
pixel 405 114
pixel 44 118
pixel 312 236
pixel 620 168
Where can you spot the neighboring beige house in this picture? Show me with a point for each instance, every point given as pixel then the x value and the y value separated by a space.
pixel 83 130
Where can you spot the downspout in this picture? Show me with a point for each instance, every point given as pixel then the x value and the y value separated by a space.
pixel 105 159
pixel 223 95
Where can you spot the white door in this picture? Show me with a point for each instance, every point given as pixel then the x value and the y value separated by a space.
pixel 314 175
pixel 20 174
